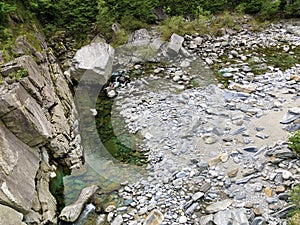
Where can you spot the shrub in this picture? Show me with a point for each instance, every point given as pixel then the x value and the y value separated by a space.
pixel 178 25
pixel 5 10
pixel 295 197
pixel 120 38
pixel 292 9
pixel 294 144
pixel 18 75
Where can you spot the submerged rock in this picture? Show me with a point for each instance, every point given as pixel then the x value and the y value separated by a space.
pixel 72 212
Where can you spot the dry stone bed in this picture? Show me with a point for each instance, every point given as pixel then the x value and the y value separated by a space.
pixel 217 156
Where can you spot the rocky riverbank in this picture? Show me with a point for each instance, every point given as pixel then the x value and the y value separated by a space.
pixel 38 131
pixel 216 156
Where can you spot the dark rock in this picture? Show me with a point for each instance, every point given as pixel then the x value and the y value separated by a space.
pixel 250 149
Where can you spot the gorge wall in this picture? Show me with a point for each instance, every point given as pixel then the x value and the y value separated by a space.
pixel 38 131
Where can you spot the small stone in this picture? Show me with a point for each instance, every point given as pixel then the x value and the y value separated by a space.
pixel 176 78
pixel 262 135
pixel 258 221
pixel 111 94
pixel 280 189
pixel 155 217
pixel 258 211
pixel 224 157
pixel 250 149
pixel 110 207
pixel 206 220
pixel 286 174
pixel 118 220
pixel 268 192
pixel 247 88
pixel 210 140
pixel 233 173
pixel 197 196
pixel 209 61
pixel 182 219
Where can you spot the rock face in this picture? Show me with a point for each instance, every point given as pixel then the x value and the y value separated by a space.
pixel 10 216
pixel 38 131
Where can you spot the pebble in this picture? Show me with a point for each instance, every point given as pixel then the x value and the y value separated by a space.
pixel 118 220
pixel 182 219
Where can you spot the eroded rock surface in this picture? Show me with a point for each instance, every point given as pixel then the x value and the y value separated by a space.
pixel 38 131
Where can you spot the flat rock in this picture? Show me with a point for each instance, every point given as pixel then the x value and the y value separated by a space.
pixel 219 206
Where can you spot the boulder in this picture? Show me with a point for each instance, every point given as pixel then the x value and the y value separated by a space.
pixel 91 62
pixel 140 38
pixel 18 168
pixel 174 45
pixel 71 212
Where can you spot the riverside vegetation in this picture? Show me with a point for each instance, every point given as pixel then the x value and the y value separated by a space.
pixel 182 17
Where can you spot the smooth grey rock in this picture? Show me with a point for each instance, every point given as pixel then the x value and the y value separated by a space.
pixel 71 212
pixel 182 219
pixel 223 218
pixel 197 196
pixel 250 149
pixel 192 208
pixel 289 117
pixel 10 216
pixel 218 206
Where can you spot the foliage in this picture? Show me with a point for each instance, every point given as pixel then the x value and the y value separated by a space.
pixel 294 144
pixel 120 38
pixel 5 9
pixel 75 15
pixel 269 10
pixel 292 9
pixel 295 197
pixel 87 16
pixel 19 74
pixel 178 25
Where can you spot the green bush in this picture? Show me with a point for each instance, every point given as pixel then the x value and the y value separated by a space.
pixel 292 9
pixel 178 25
pixel 295 215
pixel 18 75
pixel 294 143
